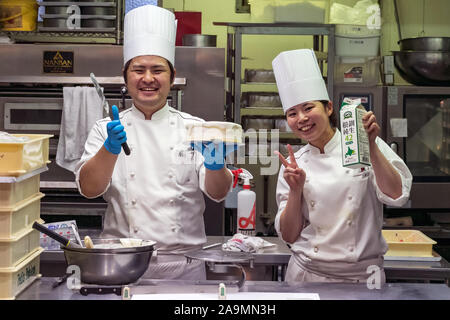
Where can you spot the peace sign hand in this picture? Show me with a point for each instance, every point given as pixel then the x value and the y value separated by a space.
pixel 294 176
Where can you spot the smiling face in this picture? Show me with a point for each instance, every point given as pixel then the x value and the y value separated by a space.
pixel 149 82
pixel 310 121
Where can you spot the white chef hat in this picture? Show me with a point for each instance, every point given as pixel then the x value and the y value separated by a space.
pixel 148 30
pixel 298 77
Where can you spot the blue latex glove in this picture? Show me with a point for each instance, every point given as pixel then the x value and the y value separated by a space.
pixel 116 133
pixel 214 153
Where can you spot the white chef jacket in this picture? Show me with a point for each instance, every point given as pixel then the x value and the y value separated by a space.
pixel 155 193
pixel 343 212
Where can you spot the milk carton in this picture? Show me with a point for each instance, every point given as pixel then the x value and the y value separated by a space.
pixel 354 139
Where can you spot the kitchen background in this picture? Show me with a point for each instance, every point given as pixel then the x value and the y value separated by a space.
pixel 429 208
pixel 415 21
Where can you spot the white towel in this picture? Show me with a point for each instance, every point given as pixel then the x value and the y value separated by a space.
pixel 82 108
pixel 244 243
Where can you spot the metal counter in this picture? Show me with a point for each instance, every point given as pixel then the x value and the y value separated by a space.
pixel 277 257
pixel 42 290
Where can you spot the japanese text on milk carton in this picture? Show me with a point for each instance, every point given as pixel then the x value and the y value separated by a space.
pixel 355 141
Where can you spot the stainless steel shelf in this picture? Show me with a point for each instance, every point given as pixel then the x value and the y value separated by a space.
pixel 82 4
pixel 89 35
pixel 178 82
pixel 262 112
pixel 282 136
pixel 94 36
pixel 234 56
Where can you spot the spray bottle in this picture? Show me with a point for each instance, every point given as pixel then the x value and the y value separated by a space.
pixel 246 210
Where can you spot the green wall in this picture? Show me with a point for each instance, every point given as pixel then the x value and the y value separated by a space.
pixel 261 49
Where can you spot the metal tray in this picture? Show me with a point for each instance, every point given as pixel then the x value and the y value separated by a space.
pixel 81 4
pixel 261 100
pixel 259 76
pixel 220 256
pixel 435 257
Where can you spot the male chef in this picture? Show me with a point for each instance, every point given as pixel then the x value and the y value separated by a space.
pixel 156 192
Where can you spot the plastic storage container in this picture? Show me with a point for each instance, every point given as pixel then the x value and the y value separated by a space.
pixel 14 190
pixel 359 71
pixel 357 41
pixel 16 279
pixel 14 220
pixel 408 243
pixel 15 250
pixel 18 158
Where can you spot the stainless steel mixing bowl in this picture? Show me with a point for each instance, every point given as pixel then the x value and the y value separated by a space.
pixel 110 266
pixel 425 44
pixel 426 68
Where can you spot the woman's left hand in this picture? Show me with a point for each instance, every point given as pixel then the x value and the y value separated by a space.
pixel 371 126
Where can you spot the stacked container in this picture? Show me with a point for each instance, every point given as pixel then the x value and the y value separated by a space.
pixel 357 34
pixel 357 55
pixel 21 164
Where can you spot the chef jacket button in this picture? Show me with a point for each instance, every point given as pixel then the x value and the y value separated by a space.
pixel 128 123
pixel 312 204
pixel 350 197
pixel 133 202
pixel 172 123
pixel 347 171
pixel 316 249
pixel 171 201
pixel 132 174
pixel 349 222
pixel 174 229
pixel 306 161
pixel 136 230
pixel 351 249
pixel 171 148
pixel 170 175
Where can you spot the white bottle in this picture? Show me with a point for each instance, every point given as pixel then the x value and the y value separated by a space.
pixel 246 210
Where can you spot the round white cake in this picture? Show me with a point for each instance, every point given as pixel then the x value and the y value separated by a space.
pixel 214 130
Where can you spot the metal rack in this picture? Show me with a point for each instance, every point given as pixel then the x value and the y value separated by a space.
pixel 91 35
pixel 234 56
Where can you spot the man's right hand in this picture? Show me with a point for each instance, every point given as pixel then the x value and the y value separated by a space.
pixel 116 133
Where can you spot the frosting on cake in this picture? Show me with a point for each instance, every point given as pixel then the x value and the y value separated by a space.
pixel 214 130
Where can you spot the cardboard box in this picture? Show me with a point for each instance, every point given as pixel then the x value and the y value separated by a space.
pixel 63 228
pixel 354 138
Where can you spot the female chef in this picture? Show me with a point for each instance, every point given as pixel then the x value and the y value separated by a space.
pixel 331 216
pixel 155 193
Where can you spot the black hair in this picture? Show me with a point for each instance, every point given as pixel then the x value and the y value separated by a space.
pixel 332 117
pixel 127 65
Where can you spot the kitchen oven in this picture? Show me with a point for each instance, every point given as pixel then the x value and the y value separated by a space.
pixel 419 128
pixel 32 78
pixel 415 124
